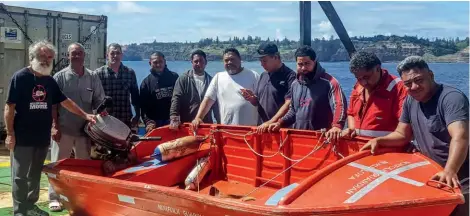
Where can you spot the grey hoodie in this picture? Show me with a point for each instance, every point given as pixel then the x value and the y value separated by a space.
pixel 186 99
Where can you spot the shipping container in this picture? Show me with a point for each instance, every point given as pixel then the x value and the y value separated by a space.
pixel 19 26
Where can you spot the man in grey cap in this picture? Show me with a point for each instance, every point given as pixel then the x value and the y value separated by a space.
pixel 273 86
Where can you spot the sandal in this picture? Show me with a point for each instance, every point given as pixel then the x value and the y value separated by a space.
pixel 55 206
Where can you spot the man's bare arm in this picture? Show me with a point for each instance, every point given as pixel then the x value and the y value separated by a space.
pixel 9 116
pixel 458 149
pixel 351 122
pixel 282 111
pixel 398 138
pixel 73 108
pixel 204 108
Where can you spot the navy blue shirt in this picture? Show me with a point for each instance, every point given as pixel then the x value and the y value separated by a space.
pixel 272 90
pixel 34 97
pixel 156 91
pixel 429 123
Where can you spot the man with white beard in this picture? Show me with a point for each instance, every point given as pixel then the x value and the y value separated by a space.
pixel 28 118
pixel 229 88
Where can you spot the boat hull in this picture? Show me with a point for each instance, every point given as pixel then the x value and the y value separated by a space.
pixel 151 188
pixel 98 198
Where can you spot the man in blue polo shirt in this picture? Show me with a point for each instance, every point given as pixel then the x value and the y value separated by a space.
pixel 273 86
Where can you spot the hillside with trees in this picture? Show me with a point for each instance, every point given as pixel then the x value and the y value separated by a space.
pixel 388 48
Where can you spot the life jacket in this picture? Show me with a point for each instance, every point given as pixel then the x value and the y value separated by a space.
pixel 380 115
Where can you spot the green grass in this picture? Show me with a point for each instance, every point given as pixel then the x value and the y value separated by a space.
pixel 44 206
pixel 5 186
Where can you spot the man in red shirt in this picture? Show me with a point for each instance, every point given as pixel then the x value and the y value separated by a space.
pixel 376 100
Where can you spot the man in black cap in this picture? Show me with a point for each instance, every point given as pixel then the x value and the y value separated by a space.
pixel 273 86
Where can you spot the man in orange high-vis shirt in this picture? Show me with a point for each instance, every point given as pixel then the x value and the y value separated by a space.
pixel 376 100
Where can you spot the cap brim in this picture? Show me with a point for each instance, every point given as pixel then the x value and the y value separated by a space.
pixel 260 56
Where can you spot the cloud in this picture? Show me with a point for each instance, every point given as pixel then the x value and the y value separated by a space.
pixel 394 7
pixel 279 34
pixel 131 7
pixel 215 13
pixel 78 10
pixel 266 10
pixel 278 19
pixel 16 3
pixel 441 25
pixel 126 8
pixel 339 3
pixel 325 26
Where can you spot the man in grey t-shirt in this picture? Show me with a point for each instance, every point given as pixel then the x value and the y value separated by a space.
pixel 84 88
pixel 436 115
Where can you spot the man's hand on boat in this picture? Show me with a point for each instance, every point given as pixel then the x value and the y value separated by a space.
pixel 349 133
pixel 273 127
pixel 150 126
pixel 249 96
pixel 334 134
pixel 195 123
pixel 263 128
pixel 448 177
pixel 10 141
pixel 373 145
pixel 175 123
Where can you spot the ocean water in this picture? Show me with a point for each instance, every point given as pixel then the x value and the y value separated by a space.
pixel 453 74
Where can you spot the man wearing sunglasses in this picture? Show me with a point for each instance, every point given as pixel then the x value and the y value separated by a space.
pixel 436 116
pixel 376 99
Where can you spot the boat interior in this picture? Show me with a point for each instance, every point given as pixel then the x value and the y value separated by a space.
pixel 244 166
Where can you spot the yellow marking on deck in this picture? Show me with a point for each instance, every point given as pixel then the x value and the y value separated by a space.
pixel 7 163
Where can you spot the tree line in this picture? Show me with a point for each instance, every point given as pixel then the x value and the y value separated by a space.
pixel 390 48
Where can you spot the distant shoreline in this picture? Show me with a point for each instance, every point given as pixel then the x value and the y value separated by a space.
pixel 441 62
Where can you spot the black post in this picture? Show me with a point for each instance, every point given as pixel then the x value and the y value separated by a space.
pixel 305 9
pixel 335 21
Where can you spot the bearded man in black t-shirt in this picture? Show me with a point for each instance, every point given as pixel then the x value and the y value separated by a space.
pixel 28 118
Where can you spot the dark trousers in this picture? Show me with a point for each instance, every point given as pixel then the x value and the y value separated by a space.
pixel 26 168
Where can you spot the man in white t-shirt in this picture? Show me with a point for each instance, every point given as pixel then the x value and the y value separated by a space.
pixel 227 88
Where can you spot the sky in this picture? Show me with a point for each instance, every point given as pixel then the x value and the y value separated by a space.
pixel 144 21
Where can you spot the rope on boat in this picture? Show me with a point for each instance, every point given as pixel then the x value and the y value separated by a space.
pixel 337 152
pixel 318 142
pixel 281 145
pixel 290 167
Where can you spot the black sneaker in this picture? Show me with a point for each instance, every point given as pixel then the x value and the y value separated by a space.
pixel 36 211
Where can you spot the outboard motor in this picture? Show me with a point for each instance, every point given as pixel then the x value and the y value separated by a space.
pixel 113 139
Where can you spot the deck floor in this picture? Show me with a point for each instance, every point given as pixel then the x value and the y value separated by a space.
pixel 237 191
pixel 6 202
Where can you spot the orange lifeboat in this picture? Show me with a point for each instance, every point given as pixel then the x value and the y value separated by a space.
pixel 293 172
